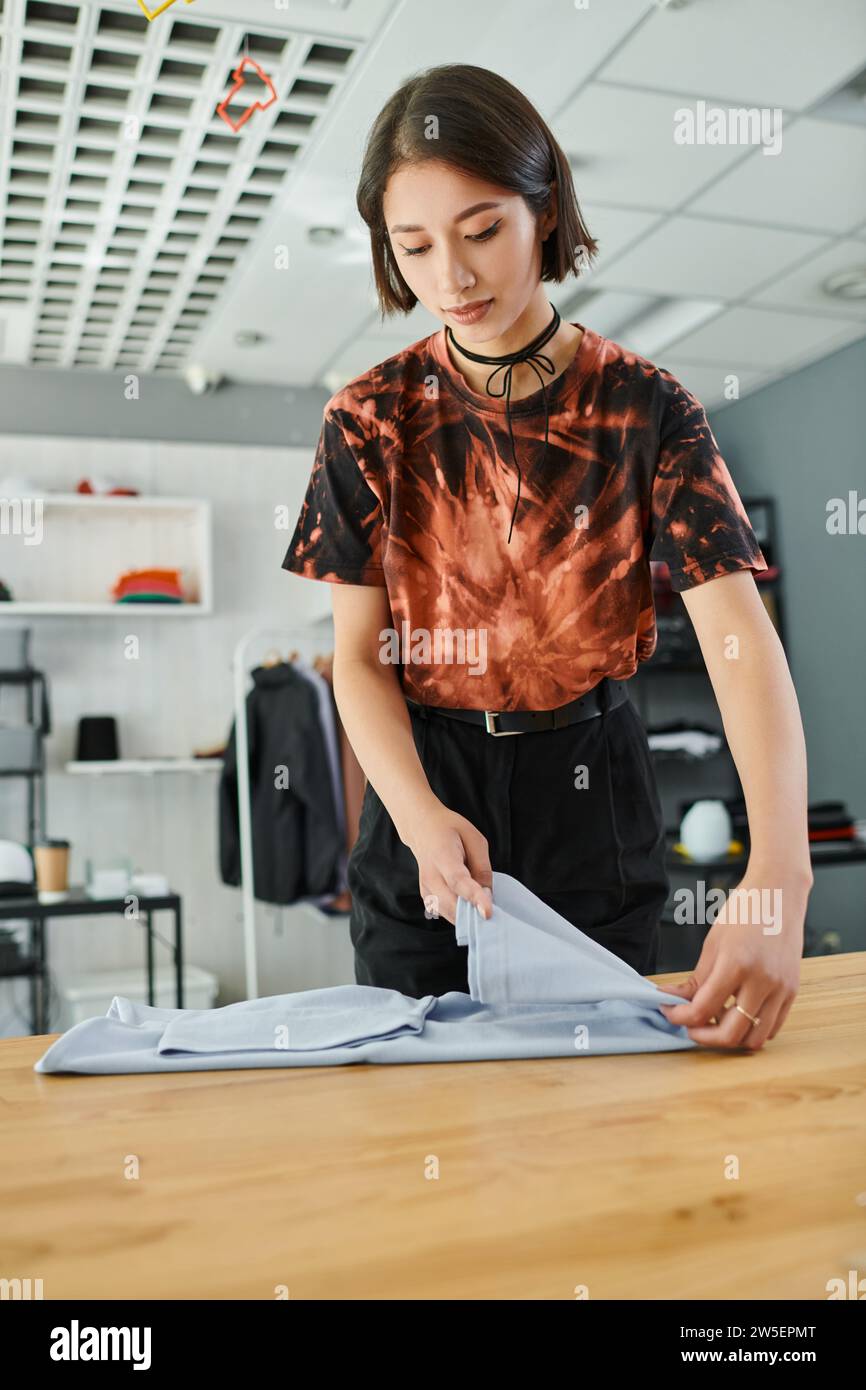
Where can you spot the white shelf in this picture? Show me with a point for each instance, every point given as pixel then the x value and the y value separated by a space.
pixel 165 610
pixel 88 540
pixel 147 766
pixel 93 501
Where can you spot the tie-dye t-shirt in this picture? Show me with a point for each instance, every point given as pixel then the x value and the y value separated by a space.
pixel 413 488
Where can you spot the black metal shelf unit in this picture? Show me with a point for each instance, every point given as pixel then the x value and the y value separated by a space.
pixel 30 678
pixel 31 966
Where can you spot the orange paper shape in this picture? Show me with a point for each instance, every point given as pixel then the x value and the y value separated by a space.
pixel 238 75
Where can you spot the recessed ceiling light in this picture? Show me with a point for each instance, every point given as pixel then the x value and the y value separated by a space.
pixel 847 284
pixel 323 236
pixel 248 337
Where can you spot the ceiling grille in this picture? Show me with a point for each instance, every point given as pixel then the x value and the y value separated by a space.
pixel 127 202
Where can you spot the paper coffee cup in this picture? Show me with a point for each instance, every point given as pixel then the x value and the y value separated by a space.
pixel 51 858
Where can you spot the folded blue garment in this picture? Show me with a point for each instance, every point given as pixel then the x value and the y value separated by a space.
pixel 526 953
pixel 344 1016
pixel 539 987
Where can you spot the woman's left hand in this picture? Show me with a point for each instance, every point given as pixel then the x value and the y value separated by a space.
pixel 751 952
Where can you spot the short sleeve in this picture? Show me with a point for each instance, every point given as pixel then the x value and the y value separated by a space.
pixel 338 536
pixel 699 526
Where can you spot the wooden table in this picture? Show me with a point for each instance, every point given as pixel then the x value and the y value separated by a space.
pixel 608 1172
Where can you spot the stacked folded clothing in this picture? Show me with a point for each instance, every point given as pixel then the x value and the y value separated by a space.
pixel 106 487
pixel 827 821
pixel 148 586
pixel 684 739
pixel 830 820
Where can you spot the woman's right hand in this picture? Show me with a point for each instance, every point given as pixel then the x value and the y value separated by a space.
pixel 453 862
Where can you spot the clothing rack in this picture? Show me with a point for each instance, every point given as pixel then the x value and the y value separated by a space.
pixel 303 640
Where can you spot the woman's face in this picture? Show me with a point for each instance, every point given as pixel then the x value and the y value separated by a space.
pixel 452 251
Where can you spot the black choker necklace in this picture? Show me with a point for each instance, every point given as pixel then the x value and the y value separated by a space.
pixel 529 354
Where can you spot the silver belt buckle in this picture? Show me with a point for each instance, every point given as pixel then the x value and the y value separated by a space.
pixel 489 716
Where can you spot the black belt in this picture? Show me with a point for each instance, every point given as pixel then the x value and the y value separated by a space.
pixel 523 721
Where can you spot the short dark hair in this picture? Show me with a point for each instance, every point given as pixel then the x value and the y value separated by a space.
pixel 486 127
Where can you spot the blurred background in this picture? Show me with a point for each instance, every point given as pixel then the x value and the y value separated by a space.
pixel 184 281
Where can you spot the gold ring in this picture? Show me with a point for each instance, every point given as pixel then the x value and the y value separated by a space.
pixel 755 1021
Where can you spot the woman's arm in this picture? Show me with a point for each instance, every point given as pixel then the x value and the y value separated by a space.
pixel 746 953
pixel 755 693
pixel 452 854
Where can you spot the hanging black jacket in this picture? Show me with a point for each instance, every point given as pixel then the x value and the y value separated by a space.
pixel 297 841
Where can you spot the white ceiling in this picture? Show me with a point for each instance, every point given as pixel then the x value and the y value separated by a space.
pixel 148 249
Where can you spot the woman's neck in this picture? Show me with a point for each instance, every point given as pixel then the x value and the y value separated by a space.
pixel 561 350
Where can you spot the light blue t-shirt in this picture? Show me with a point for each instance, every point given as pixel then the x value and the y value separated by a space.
pixel 539 987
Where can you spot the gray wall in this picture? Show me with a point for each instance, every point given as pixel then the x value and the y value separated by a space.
pixel 801 441
pixel 46 401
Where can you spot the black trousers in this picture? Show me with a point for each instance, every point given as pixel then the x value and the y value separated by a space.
pixel 555 806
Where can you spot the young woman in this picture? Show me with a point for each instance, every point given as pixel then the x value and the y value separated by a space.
pixel 485 503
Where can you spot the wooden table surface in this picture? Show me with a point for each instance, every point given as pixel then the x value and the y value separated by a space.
pixel 604 1172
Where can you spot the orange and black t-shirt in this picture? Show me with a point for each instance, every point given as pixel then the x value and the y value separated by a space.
pixel 413 488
